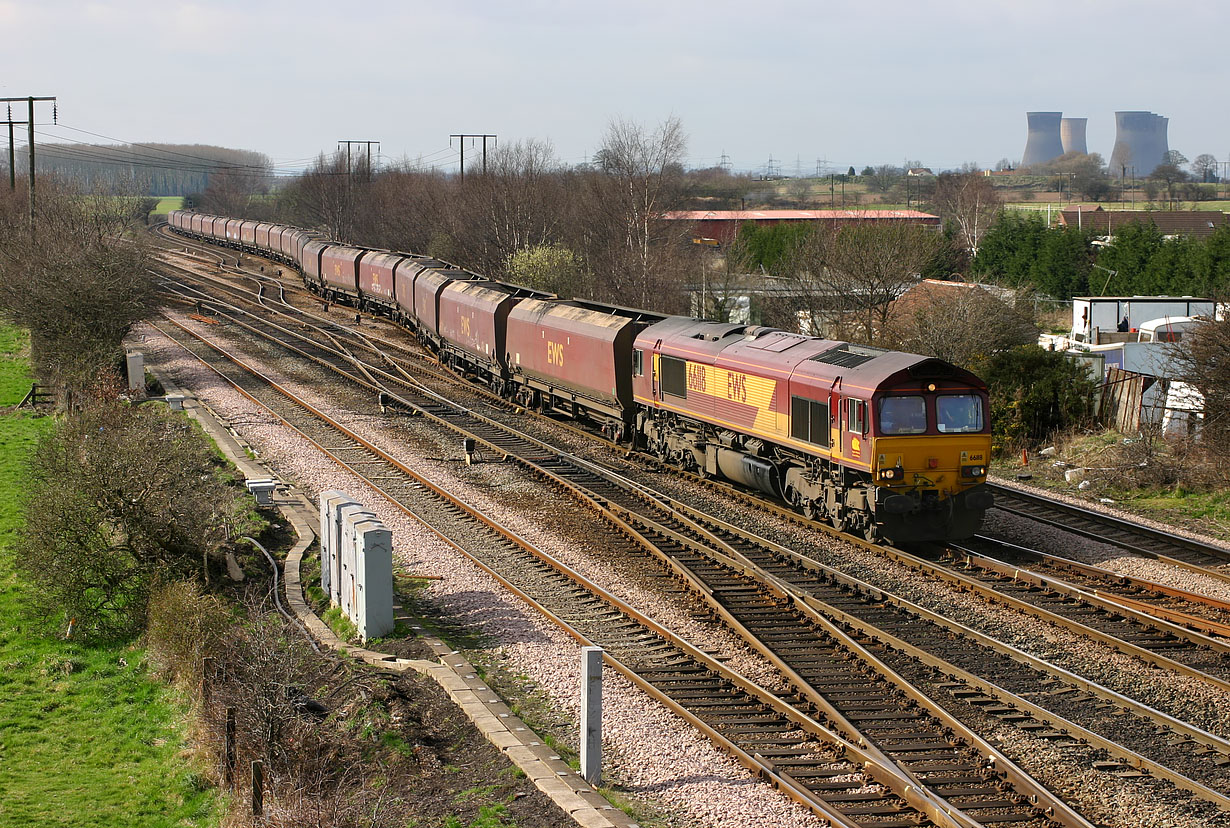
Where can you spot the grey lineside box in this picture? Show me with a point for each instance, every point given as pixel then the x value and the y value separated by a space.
pixel 356 563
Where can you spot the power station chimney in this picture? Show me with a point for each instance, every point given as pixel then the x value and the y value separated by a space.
pixel 1043 142
pixel 1072 135
pixel 1140 142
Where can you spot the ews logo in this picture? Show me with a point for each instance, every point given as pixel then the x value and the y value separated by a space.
pixel 555 353
pixel 465 326
pixel 736 387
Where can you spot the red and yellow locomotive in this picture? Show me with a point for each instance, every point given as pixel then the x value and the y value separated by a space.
pixel 882 443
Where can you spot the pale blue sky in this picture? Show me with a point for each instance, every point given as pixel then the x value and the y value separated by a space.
pixel 943 82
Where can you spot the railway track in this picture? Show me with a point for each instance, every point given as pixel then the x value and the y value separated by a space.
pixel 1191 610
pixel 500 443
pixel 840 778
pixel 1136 538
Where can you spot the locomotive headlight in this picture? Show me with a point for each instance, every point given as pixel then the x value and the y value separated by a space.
pixel 973 471
pixel 889 474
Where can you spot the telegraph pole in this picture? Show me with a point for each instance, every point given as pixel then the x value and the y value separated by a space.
pixel 463 136
pixel 12 156
pixel 368 144
pixel 30 122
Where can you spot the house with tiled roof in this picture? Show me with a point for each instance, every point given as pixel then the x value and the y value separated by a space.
pixel 723 225
pixel 1195 223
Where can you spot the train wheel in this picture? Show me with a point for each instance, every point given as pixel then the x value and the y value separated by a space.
pixel 839 521
pixel 810 510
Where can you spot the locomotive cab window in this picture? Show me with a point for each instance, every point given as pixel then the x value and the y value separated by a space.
pixel 638 363
pixel 674 376
pixel 959 413
pixel 856 419
pixel 809 421
pixel 903 415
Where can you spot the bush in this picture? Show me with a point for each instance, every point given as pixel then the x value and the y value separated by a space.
pixel 119 498
pixel 1035 393
pixel 184 625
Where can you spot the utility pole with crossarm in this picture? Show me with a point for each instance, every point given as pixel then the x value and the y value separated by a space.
pixel 30 123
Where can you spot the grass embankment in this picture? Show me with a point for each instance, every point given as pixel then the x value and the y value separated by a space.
pixel 86 736
pixel 166 204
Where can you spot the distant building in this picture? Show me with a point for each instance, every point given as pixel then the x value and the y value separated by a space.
pixel 1043 141
pixel 919 171
pixel 723 225
pixel 1195 223
pixel 1140 143
pixel 1072 135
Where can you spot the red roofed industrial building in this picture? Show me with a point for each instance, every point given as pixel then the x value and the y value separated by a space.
pixel 723 225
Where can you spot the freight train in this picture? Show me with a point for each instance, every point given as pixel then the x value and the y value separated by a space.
pixel 888 445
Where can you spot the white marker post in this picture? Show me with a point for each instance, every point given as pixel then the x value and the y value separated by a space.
pixel 135 363
pixel 591 714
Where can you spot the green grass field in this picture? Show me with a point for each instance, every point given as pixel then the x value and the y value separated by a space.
pixel 87 738
pixel 166 204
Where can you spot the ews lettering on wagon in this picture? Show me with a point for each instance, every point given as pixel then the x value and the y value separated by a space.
pixel 555 353
pixel 465 326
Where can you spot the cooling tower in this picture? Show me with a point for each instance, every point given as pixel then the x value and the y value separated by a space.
pixel 1043 143
pixel 1072 135
pixel 1140 143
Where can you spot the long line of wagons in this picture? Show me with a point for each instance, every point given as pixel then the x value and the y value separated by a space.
pixel 889 445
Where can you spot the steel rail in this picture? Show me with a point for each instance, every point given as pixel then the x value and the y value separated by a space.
pixel 1195 734
pixel 815 613
pixel 1170 621
pixel 1215 556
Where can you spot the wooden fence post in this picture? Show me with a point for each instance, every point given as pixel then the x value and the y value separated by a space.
pixel 228 749
pixel 258 787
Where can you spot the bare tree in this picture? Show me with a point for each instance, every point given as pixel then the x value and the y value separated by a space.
pixel 1169 177
pixel 519 202
pixel 237 190
pixel 1205 167
pixel 971 201
pixel 633 252
pixel 78 283
pixel 1203 358
pixel 959 322
pixel 883 178
pixel 117 498
pixel 324 197
pixel 846 278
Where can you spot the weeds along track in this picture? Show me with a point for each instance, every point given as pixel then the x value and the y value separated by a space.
pixel 978 692
pixel 838 777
